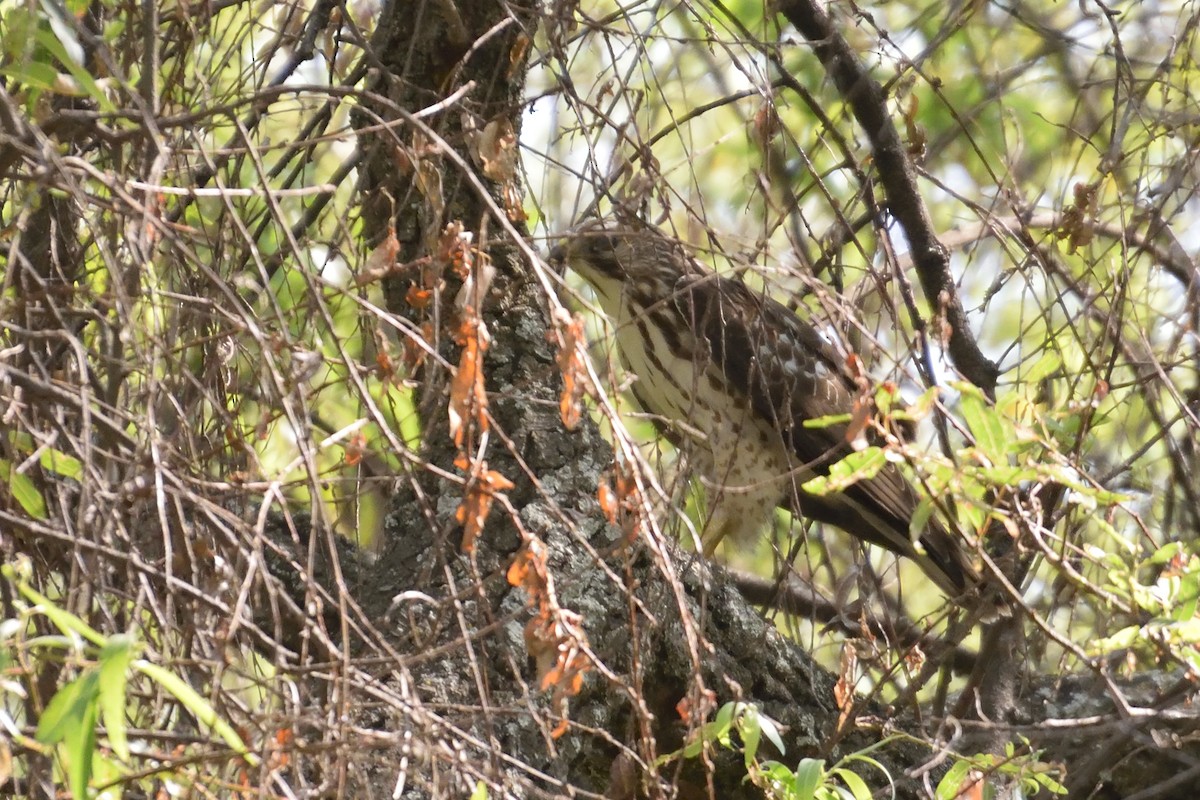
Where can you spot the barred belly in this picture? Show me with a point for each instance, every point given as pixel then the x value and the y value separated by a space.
pixel 741 460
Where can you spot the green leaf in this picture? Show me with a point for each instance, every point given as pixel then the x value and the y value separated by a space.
pixel 80 747
pixel 950 785
pixel 64 620
pixel 1004 475
pixel 60 462
pixel 1164 554
pixel 827 421
pixel 1184 634
pixel 70 720
pixel 69 51
pixel 204 713
pixel 1068 477
pixel 920 518
pixel 1187 598
pixel 856 785
pixel 770 729
pixel 751 730
pixel 720 727
pixel 991 433
pixel 694 746
pixel 115 658
pixel 68 708
pixel 24 492
pixel 480 791
pixel 861 756
pixel 1044 367
pixel 1046 781
pixel 1121 640
pixel 724 718
pixel 33 75
pixel 810 774
pixel 923 405
pixel 16 23
pixel 86 82
pixel 781 775
pixel 858 466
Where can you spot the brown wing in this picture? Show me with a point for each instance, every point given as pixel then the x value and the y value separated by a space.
pixel 789 371
pixel 792 375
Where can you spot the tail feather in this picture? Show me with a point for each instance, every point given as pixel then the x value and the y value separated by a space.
pixel 941 556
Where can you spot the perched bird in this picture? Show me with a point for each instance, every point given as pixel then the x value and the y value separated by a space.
pixel 732 376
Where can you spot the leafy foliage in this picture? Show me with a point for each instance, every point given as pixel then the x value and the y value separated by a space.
pixel 263 274
pixel 99 692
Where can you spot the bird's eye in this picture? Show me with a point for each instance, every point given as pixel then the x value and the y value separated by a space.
pixel 602 252
pixel 598 243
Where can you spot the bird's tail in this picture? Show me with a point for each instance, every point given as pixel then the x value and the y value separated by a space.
pixel 946 561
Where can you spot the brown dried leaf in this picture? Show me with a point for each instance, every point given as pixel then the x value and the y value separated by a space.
pixel 418 298
pixel 516 55
pixel 355 447
pixel 918 142
pixel 859 419
pixel 497 146
pixel 687 714
pixel 473 511
pixel 529 570
pixel 843 689
pixel 414 353
pixel 554 636
pixel 454 249
pixel 766 124
pixel 608 501
pixel 513 206
pixel 468 398
pixel 381 261
pixel 385 367
pixel 1076 223
pixel 570 361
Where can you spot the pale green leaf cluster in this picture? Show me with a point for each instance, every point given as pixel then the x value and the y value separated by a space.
pixel 97 699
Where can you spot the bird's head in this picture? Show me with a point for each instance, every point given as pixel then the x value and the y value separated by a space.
pixel 616 258
pixel 598 250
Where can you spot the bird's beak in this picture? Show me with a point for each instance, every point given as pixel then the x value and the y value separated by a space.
pixel 558 257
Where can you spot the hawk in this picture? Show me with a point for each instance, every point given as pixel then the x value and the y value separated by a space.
pixel 743 373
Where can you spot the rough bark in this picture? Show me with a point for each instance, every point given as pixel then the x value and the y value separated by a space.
pixel 462 645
